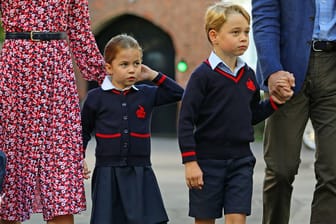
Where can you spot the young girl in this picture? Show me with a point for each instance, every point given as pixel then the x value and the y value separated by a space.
pixel 124 188
pixel 220 105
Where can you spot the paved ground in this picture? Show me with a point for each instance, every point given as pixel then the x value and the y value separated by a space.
pixel 170 173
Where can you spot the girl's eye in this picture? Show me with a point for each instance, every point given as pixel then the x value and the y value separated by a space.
pixel 137 64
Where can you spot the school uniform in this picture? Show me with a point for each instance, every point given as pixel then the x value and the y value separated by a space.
pixel 218 111
pixel 124 187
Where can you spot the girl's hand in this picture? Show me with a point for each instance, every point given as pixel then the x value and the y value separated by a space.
pixel 147 73
pixel 86 171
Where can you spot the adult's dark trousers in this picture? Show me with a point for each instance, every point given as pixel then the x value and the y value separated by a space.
pixel 283 142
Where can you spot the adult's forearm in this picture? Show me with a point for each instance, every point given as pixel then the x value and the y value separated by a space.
pixel 266 31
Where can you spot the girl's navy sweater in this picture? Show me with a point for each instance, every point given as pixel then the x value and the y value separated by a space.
pixel 121 120
pixel 218 112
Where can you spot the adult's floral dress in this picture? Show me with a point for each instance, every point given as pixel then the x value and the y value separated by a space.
pixel 40 128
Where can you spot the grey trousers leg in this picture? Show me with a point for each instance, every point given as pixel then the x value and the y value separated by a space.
pixel 283 140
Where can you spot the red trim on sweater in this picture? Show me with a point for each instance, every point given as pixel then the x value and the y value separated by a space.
pixel 273 104
pixel 161 80
pixel 116 91
pixel 185 154
pixel 234 78
pixel 139 135
pixel 100 135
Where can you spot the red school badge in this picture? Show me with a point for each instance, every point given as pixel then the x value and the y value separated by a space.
pixel 250 85
pixel 141 113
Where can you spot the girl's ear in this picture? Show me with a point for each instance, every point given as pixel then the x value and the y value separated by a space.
pixel 108 68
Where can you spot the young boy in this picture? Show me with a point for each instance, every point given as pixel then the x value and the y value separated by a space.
pixel 124 187
pixel 220 104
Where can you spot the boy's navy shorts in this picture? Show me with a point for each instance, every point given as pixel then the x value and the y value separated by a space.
pixel 227 186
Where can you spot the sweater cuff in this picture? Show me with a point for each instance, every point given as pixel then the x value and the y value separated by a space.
pixel 159 79
pixel 188 156
pixel 274 105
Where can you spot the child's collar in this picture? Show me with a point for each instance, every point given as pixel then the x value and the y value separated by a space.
pixel 107 85
pixel 214 61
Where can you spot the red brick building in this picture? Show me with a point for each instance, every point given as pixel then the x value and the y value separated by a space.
pixel 181 21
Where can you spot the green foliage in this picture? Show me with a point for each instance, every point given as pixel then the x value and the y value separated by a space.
pixel 259 131
pixel 2 33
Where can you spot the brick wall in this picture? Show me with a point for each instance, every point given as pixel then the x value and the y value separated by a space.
pixel 183 20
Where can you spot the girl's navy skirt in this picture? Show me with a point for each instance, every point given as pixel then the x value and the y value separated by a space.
pixel 126 195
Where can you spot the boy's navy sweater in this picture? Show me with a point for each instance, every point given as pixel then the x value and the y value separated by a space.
pixel 218 112
pixel 121 120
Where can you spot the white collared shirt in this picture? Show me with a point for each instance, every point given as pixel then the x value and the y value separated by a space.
pixel 107 85
pixel 216 61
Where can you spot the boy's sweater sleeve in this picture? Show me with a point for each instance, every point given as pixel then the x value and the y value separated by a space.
pixel 261 109
pixel 168 90
pixel 190 108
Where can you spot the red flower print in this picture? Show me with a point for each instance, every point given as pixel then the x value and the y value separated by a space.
pixel 40 121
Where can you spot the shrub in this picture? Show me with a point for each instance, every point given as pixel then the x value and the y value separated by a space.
pixel 2 33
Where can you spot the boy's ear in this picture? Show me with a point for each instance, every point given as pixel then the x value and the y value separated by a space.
pixel 212 36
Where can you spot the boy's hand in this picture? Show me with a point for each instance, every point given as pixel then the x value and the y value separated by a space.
pixel 86 171
pixel 147 73
pixel 280 86
pixel 284 88
pixel 194 175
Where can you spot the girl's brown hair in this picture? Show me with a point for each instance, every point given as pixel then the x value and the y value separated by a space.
pixel 117 43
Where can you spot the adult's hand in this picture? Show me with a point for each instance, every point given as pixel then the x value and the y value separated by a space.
pixel 280 86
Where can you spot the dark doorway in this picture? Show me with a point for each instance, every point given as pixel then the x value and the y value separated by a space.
pixel 159 54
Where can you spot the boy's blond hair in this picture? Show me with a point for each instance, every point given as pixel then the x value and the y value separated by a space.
pixel 216 15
